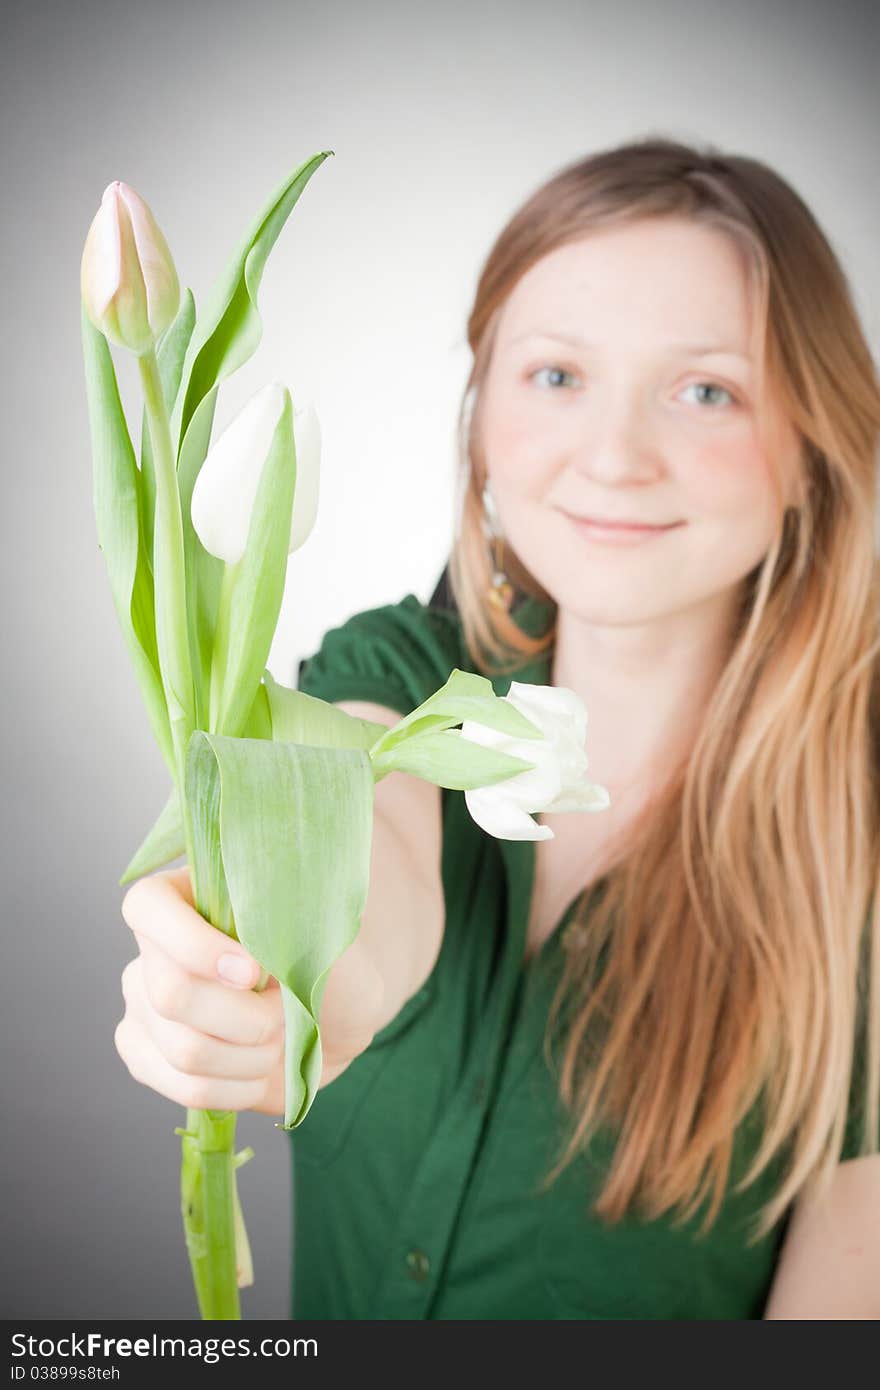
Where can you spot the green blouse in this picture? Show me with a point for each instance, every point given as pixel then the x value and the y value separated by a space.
pixel 415 1173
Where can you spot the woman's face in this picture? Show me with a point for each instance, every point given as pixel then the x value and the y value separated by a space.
pixel 621 386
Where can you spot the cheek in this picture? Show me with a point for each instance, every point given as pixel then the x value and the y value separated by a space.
pixel 520 455
pixel 729 493
pixel 729 480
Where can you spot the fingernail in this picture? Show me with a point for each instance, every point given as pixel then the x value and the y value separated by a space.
pixel 235 970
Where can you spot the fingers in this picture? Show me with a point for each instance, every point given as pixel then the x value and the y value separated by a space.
pixel 159 909
pixel 196 1053
pixel 197 1040
pixel 232 1015
pixel 147 1065
pixel 210 1044
pixel 183 956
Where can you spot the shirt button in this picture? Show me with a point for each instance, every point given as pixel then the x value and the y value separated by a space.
pixel 418 1265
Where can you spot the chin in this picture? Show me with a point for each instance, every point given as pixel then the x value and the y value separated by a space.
pixel 623 611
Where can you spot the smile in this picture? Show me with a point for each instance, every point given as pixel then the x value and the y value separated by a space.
pixel 619 533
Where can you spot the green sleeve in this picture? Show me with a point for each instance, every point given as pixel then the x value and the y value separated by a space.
pixel 396 654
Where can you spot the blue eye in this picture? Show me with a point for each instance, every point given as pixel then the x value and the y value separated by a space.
pixel 711 386
pixel 557 371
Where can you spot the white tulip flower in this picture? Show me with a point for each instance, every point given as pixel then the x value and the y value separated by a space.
pixel 557 783
pixel 226 485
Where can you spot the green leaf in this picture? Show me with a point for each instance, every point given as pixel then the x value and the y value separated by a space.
pixel 169 359
pixel 162 843
pixel 242 644
pixel 291 827
pixel 226 334
pixel 118 507
pixel 464 696
pixel 229 327
pixel 259 722
pixel 301 718
pixel 450 761
pixel 204 572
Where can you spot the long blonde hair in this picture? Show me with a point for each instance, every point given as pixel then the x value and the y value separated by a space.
pixel 733 957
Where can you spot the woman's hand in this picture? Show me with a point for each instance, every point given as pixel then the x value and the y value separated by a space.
pixel 193 1028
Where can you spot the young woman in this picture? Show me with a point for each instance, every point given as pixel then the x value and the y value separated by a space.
pixel 628 1068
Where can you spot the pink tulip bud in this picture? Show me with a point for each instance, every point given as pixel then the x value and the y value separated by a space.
pixel 129 284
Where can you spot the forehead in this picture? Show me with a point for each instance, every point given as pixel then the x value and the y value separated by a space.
pixel 664 277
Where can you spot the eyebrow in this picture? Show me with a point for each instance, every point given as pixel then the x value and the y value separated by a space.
pixel 574 340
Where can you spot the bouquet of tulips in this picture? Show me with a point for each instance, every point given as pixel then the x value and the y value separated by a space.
pixel 271 796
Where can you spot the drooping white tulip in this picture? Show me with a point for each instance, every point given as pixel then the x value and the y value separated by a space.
pixel 557 783
pixel 128 279
pixel 227 482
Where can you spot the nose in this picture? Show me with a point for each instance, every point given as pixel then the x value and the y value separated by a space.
pixel 617 443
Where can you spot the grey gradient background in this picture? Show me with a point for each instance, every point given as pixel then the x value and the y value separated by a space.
pixel 442 118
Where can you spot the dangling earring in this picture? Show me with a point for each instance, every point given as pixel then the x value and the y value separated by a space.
pixel 500 591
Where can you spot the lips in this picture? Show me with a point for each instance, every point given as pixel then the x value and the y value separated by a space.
pixel 624 525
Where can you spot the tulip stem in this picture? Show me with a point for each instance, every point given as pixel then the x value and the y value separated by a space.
pixel 212 1221
pixel 169 573
pixel 216 1239
pixel 220 654
pixel 211 1212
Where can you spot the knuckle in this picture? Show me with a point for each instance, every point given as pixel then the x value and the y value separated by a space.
pixel 197 1093
pixel 269 1031
pixel 187 1053
pixel 270 1100
pixel 170 994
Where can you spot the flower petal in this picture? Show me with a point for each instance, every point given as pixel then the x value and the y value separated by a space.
pixel 101 260
pixel 307 442
pixel 502 817
pixel 551 707
pixel 156 262
pixel 130 301
pixel 226 484
pixel 532 789
pixel 590 796
pixel 481 733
